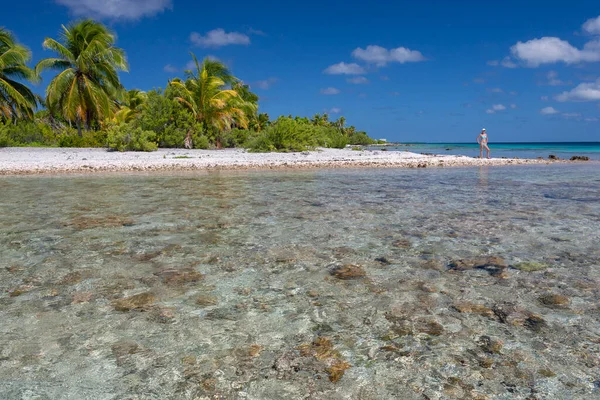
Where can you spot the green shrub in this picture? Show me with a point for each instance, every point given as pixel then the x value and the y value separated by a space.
pixel 360 138
pixel 285 135
pixel 68 137
pixel 27 133
pixel 200 142
pixel 337 140
pixel 126 137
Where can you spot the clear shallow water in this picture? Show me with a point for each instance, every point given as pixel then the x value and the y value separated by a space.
pixel 522 150
pixel 266 319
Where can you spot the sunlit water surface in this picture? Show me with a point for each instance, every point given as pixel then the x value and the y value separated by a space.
pixel 238 297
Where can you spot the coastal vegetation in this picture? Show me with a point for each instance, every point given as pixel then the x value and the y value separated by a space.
pixel 86 105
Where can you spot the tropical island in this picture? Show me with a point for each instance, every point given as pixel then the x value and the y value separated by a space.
pixel 86 105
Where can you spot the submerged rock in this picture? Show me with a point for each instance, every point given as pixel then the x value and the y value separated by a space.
pixel 472 308
pixel 580 158
pixel 480 262
pixel 109 221
pixel 402 243
pixel 348 271
pixel 177 277
pixel 554 300
pixel 490 345
pixel 322 350
pixel 530 266
pixel 383 260
pixel 553 157
pixel 496 266
pixel 139 302
pixel 206 300
pixel 509 313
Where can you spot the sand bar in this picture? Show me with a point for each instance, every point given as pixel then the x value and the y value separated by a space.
pixel 60 160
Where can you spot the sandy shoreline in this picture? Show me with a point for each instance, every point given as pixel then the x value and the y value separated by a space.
pixel 28 161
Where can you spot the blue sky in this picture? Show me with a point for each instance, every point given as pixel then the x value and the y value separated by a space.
pixel 428 71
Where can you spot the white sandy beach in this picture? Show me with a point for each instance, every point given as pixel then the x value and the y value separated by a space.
pixel 60 160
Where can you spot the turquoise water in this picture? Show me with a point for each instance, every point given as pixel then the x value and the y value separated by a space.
pixel 231 285
pixel 563 150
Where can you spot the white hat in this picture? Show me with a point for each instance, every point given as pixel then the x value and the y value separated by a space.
pixel 483 129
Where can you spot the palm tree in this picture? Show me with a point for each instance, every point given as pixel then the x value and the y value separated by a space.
pixel 88 86
pixel 16 99
pixel 205 94
pixel 134 102
pixel 340 123
pixel 260 122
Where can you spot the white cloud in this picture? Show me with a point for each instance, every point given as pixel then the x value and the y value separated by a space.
pixel 550 50
pixel 495 108
pixel 552 79
pixel 508 63
pixel 334 110
pixel 591 119
pixel 513 93
pixel 219 38
pixel 116 9
pixel 171 69
pixel 479 80
pixel 344 69
pixel 266 84
pixel 384 78
pixel 257 32
pixel 592 26
pixel 495 90
pixel 544 98
pixel 571 115
pixel 380 56
pixel 589 91
pixel 330 91
pixel 513 106
pixel 358 80
pixel 394 93
pixel 548 111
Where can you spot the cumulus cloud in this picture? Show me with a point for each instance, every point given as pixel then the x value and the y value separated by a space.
pixel 592 26
pixel 548 111
pixel 171 69
pixel 589 91
pixel 116 9
pixel 344 69
pixel 381 56
pixel 552 79
pixel 495 108
pixel 266 84
pixel 358 80
pixel 330 91
pixel 506 63
pixel 334 110
pixel 551 50
pixel 219 38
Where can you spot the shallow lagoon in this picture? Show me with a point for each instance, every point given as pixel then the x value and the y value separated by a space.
pixel 327 284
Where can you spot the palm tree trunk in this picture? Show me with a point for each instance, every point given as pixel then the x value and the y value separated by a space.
pixel 79 128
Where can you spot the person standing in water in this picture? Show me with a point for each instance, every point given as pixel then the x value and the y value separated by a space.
pixel 482 139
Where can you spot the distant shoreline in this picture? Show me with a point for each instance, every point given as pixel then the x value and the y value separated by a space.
pixel 31 161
